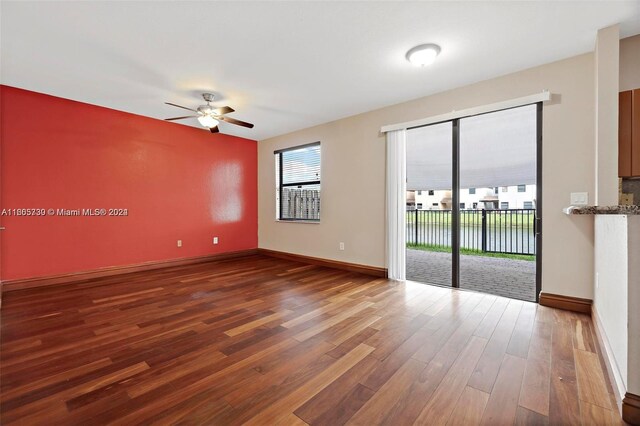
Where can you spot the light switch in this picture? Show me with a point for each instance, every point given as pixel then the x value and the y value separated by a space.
pixel 579 198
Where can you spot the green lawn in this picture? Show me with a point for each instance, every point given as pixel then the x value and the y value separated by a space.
pixel 447 249
pixel 497 218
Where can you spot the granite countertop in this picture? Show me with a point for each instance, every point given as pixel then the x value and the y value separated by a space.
pixel 620 209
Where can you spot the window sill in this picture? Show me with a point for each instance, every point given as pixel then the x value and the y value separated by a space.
pixel 315 222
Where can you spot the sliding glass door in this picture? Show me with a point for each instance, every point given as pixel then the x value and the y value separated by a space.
pixel 498 197
pixel 473 202
pixel 429 201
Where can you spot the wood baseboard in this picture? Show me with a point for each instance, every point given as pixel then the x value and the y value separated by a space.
pixel 352 267
pixel 567 303
pixel 631 409
pixel 20 284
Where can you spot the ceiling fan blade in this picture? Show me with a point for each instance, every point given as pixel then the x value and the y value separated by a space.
pixel 214 129
pixel 181 118
pixel 180 106
pixel 237 122
pixel 223 110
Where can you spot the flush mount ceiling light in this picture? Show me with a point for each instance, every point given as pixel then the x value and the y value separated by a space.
pixel 423 55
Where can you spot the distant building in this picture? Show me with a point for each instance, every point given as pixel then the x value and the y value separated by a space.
pixel 500 197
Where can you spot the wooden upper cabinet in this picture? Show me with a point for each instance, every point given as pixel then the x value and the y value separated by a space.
pixel 625 104
pixel 635 133
pixel 629 133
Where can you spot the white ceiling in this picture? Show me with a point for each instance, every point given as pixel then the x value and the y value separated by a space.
pixel 284 65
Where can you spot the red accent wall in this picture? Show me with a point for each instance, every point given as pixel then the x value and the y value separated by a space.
pixel 177 182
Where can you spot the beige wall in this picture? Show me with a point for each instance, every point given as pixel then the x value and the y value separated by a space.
pixel 353 175
pixel 630 63
pixel 607 65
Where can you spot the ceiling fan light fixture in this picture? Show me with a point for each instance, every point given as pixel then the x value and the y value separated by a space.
pixel 423 55
pixel 210 116
pixel 208 121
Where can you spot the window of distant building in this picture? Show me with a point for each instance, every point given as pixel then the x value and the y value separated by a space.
pixel 504 205
pixel 419 206
pixel 528 204
pixel 431 192
pixel 522 188
pixel 472 191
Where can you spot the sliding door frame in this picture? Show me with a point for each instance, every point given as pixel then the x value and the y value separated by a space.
pixel 455 197
pixel 538 217
pixel 455 204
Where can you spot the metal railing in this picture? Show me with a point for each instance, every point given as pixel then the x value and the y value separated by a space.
pixel 510 231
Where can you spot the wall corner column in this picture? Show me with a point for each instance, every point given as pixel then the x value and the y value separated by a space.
pixel 607 64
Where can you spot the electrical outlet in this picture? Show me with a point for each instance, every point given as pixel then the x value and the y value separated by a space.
pixel 215 240
pixel 626 199
pixel 341 246
pixel 179 243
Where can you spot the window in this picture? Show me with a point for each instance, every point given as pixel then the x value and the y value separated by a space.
pixel 495 190
pixel 472 191
pixel 522 188
pixel 505 188
pixel 475 205
pixel 419 206
pixel 435 204
pixel 504 205
pixel 298 183
pixel 462 205
pixel 419 192
pixel 528 204
pixel 431 192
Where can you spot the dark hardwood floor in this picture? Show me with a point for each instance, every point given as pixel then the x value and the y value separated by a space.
pixel 262 341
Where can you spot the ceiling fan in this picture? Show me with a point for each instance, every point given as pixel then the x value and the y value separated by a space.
pixel 210 116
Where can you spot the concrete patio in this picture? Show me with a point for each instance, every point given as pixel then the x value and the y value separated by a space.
pixel 503 277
